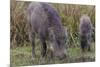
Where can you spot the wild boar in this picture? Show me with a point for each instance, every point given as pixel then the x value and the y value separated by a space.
pixel 44 20
pixel 85 32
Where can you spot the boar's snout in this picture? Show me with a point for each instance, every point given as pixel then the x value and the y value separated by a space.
pixel 59 53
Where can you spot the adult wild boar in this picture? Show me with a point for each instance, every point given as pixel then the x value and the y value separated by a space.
pixel 44 21
pixel 85 31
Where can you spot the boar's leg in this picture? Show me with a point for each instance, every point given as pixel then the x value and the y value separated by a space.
pixel 83 44
pixel 32 40
pixel 89 49
pixel 43 46
pixel 89 42
pixel 88 46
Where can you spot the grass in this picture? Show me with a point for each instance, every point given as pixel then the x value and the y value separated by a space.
pixel 21 56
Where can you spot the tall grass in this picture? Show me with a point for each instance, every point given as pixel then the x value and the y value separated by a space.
pixel 69 13
pixel 18 29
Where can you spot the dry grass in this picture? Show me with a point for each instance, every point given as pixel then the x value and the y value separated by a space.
pixel 69 15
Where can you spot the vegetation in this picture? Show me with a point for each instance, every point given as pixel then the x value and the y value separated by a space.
pixel 22 56
pixel 20 46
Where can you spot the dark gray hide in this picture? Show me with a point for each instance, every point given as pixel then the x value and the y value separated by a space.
pixel 44 21
pixel 85 31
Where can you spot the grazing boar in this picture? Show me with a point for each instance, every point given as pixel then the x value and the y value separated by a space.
pixel 85 31
pixel 44 21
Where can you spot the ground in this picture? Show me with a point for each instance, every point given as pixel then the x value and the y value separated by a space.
pixel 21 56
